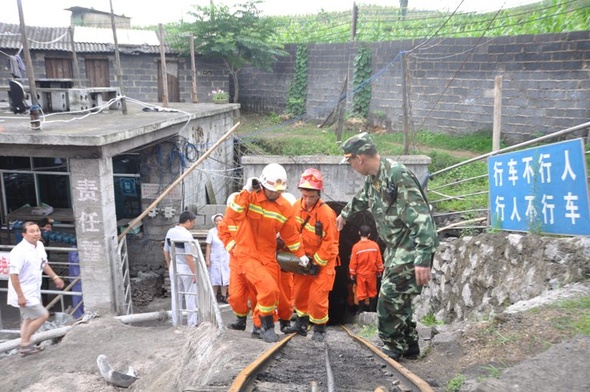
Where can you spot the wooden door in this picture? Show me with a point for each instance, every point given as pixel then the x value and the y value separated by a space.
pixel 59 68
pixel 97 72
pixel 173 85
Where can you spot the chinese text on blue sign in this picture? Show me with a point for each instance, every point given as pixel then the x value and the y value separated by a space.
pixel 541 189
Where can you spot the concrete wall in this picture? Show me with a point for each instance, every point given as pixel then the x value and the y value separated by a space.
pixel 546 83
pixel 341 182
pixel 211 176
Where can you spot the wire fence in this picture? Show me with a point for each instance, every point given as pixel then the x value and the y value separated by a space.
pixel 368 23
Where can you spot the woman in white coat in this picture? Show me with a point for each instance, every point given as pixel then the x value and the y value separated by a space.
pixel 217 260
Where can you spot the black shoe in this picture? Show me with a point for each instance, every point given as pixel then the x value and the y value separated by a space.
pixel 413 351
pixel 300 326
pixel 239 325
pixel 267 331
pixel 393 354
pixel 319 332
pixel 318 336
pixel 256 333
pixel 285 325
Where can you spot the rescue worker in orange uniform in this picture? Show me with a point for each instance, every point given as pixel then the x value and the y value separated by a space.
pixel 258 213
pixel 317 223
pixel 245 294
pixel 366 265
pixel 285 307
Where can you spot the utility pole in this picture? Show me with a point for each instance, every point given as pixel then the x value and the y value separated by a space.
pixel 118 61
pixel 405 106
pixel 28 61
pixel 497 124
pixel 77 80
pixel 163 68
pixel 355 18
pixel 194 70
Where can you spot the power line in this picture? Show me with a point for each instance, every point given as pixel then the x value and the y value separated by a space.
pixel 454 76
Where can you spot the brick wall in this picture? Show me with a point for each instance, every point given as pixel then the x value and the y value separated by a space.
pixel 546 82
pixel 140 74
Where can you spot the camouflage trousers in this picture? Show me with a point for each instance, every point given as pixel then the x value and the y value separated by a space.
pixel 394 307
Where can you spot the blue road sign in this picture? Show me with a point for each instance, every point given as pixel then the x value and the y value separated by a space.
pixel 541 189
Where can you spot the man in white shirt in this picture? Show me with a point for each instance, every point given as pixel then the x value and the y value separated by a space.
pixel 28 260
pixel 185 281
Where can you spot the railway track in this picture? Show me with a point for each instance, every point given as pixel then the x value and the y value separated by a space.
pixel 344 362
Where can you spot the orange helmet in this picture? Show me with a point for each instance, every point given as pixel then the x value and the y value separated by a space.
pixel 311 179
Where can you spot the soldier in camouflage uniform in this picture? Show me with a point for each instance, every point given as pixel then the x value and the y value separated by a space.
pixel 398 204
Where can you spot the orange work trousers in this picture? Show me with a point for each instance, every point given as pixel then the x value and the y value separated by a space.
pixel 312 294
pixel 286 298
pixel 366 287
pixel 240 291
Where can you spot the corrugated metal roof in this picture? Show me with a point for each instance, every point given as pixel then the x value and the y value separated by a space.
pixel 124 36
pixel 88 39
pixel 94 39
pixel 40 38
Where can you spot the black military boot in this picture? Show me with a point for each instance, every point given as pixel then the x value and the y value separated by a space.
pixel 300 326
pixel 373 304
pixel 284 325
pixel 391 353
pixel 239 325
pixel 413 351
pixel 268 329
pixel 319 332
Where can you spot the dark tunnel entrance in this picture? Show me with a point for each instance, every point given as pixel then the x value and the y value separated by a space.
pixel 342 307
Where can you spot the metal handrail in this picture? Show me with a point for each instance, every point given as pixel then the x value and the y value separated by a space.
pixel 122 283
pixel 60 294
pixel 514 147
pixel 207 307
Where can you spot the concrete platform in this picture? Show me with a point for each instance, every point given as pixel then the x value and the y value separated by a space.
pixel 89 131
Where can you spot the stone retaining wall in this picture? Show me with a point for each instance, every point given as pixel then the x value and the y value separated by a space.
pixel 477 277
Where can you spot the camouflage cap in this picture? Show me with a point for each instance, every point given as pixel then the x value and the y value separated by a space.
pixel 356 145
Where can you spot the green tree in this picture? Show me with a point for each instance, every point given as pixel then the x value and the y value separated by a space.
pixel 238 35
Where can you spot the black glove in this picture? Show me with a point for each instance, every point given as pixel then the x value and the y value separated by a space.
pixel 314 269
pixel 280 244
pixel 252 184
pixel 353 279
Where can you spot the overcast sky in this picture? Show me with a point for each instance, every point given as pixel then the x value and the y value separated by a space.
pixel 146 12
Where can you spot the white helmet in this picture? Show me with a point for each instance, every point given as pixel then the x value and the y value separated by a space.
pixel 230 198
pixel 274 177
pixel 290 197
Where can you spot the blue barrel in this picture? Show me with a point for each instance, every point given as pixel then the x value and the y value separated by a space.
pixel 16 229
pixel 74 262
